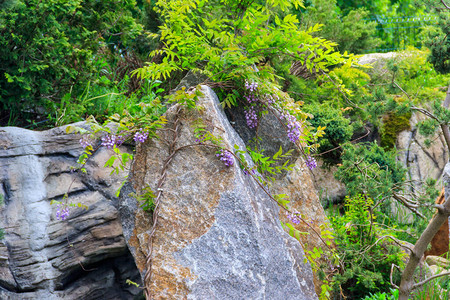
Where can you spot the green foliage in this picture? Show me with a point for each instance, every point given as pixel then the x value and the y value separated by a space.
pixel 370 169
pixel 438 41
pixel 366 258
pixel 338 130
pixel 384 7
pixel 105 97
pixel 187 99
pixel 123 159
pixel 146 199
pixel 226 45
pixel 411 71
pixel 436 289
pixel 48 49
pixel 269 166
pixel 351 32
pixel 392 295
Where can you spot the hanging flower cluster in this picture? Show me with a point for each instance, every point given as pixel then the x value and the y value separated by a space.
pixel 311 162
pixel 226 157
pixel 62 212
pixel 140 136
pixel 110 140
pixel 251 86
pixel 293 127
pixel 86 141
pixel 251 117
pixel 293 217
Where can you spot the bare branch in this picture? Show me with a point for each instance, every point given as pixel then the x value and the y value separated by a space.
pixel 445 4
pixel 419 284
pixel 440 208
pixel 426 112
pixel 444 127
pixel 384 237
pixel 390 275
pixel 396 84
pixel 408 205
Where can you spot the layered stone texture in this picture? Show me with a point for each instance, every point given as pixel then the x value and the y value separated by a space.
pixel 84 257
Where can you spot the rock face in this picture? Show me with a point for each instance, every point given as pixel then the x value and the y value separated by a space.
pixel 83 257
pixel 270 133
pixel 330 189
pixel 218 234
pixel 422 162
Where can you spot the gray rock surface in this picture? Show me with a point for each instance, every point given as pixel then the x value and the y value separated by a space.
pixel 270 134
pixel 422 162
pixel 218 234
pixel 84 257
pixel 330 189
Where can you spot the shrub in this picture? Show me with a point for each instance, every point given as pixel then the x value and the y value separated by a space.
pixel 369 168
pixel 48 48
pixel 351 32
pixel 365 258
pixel 338 130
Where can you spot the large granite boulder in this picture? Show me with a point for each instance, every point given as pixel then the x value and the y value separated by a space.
pixel 218 234
pixel 83 257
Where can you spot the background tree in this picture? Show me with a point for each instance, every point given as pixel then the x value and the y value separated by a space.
pixel 50 48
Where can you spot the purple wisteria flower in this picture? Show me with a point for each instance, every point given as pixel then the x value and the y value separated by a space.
pixel 293 127
pixel 271 99
pixel 110 140
pixel 62 212
pixel 311 162
pixel 251 86
pixel 247 172
pixel 86 141
pixel 200 139
pixel 226 157
pixel 251 98
pixel 293 217
pixel 251 117
pixel 140 136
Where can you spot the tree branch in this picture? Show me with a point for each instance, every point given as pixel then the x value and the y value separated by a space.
pixel 411 207
pixel 390 276
pixel 419 284
pixel 446 6
pixel 444 127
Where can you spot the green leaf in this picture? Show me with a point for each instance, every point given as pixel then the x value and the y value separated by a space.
pixel 110 162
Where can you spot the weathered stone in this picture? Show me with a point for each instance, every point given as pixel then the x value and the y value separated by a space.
pixel 218 234
pixel 270 133
pixel 191 79
pixel 422 162
pixel 432 260
pixel 377 58
pixel 329 189
pixel 298 186
pixel 42 258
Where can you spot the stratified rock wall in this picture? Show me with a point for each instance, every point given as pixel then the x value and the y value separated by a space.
pixel 218 234
pixel 84 257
